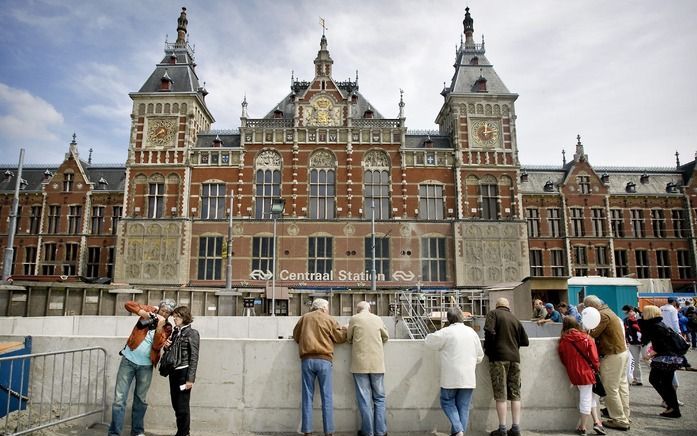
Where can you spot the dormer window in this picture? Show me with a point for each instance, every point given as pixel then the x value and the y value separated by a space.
pixel 172 58
pixel 217 142
pixel 605 178
pixel 549 186
pixel 278 113
pixel 644 179
pixel 354 99
pixel 428 143
pixel 524 176
pixel 102 183
pixel 671 188
pixel 368 113
pixel 166 82
pixel 480 85
pixel 9 174
pixel 68 182
pixel 47 174
pixel 631 187
pixel 474 61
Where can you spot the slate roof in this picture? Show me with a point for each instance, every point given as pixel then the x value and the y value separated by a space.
pixel 230 138
pixel 287 105
pixel 467 73
pixel 419 141
pixel 114 175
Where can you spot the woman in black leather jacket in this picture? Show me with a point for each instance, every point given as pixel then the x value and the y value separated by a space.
pixel 184 342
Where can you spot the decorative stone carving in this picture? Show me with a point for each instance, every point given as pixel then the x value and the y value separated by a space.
pixel 405 230
pixel 322 159
pixel 268 159
pixel 349 230
pixel 376 159
pixel 293 230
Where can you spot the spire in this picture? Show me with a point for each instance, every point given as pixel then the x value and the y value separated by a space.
pixel 563 157
pixel 580 154
pixel 244 107
pixel 468 24
pixel 181 28
pixel 677 159
pixel 401 103
pixel 73 147
pixel 323 61
pixel 89 156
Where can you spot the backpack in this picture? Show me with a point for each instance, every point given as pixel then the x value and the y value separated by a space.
pixel 677 343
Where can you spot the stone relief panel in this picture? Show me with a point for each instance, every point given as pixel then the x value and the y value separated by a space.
pixel 493 253
pixel 152 253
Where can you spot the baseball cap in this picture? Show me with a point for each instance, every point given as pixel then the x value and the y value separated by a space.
pixel 549 306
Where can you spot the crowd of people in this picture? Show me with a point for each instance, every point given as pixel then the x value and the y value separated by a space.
pixel 601 361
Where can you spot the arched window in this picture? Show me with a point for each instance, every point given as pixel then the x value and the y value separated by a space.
pixel 376 185
pixel 322 185
pixel 489 195
pixel 268 182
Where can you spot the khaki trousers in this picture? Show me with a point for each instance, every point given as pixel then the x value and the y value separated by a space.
pixel 613 373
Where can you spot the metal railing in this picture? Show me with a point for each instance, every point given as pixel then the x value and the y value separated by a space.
pixel 415 315
pixel 53 388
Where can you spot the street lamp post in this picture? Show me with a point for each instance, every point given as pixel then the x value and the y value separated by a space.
pixel 277 206
pixel 9 250
pixel 373 270
pixel 228 272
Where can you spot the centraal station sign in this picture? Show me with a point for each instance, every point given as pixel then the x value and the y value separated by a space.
pixel 332 275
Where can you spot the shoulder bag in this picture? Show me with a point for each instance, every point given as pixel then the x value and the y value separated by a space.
pixel 598 387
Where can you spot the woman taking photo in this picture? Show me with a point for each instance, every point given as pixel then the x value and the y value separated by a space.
pixel 665 358
pixel 183 344
pixel 579 355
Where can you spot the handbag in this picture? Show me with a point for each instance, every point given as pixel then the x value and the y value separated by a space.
pixel 170 358
pixel 598 388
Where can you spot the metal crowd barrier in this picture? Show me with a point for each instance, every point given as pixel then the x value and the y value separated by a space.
pixel 52 388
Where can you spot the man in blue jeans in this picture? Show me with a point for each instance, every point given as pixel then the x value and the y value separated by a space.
pixel 139 356
pixel 367 333
pixel 316 333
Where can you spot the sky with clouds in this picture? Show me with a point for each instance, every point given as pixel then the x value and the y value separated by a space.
pixel 620 73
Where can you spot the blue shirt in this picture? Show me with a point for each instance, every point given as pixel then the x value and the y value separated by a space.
pixel 555 316
pixel 141 355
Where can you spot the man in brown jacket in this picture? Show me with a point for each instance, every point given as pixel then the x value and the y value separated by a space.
pixel 367 333
pixel 316 333
pixel 612 348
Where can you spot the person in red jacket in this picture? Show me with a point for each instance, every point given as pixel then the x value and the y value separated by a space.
pixel 579 355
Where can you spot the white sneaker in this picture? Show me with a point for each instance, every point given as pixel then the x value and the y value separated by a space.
pixel 680 403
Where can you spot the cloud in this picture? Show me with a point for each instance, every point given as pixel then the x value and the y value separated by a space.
pixel 24 116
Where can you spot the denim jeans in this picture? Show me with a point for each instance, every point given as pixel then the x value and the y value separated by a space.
pixel 124 377
pixel 370 395
pixel 456 406
pixel 321 370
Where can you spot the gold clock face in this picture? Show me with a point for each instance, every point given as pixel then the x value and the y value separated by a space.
pixel 161 131
pixel 485 132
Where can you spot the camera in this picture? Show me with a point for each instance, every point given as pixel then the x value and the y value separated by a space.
pixel 150 323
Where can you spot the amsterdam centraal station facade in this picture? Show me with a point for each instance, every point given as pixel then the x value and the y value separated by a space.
pixel 329 189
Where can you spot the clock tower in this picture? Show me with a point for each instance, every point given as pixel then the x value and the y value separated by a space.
pixel 478 114
pixel 169 111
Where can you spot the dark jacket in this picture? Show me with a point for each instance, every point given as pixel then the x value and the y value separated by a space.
pixel 138 333
pixel 653 330
pixel 503 336
pixel 187 339
pixel 632 330
pixel 573 346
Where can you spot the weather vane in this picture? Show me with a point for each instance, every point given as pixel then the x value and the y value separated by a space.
pixel 322 23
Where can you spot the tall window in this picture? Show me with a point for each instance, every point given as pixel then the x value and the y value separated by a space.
pixel 93 257
pixel 110 262
pixel 558 262
pixel 684 267
pixel 602 261
pixel 156 200
pixel 580 260
pixel 490 201
pixel 658 222
pixel 262 253
pixel 598 218
pixel 637 223
pixel 29 260
pixel 382 256
pixel 68 182
pixel 376 184
pixel 577 222
pixel 536 268
pixel 49 264
pixel 213 201
pixel 584 184
pixel 54 216
pixel 35 220
pixel 663 263
pixel 433 259
pixel 431 202
pixel 642 264
pixel 74 219
pixel 621 264
pixel 97 220
pixel 70 263
pixel 116 213
pixel 320 255
pixel 533 218
pixel 617 222
pixel 678 218
pixel 322 185
pixel 210 257
pixel 268 182
pixel 554 220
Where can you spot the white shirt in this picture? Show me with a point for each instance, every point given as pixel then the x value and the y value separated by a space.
pixel 670 317
pixel 460 352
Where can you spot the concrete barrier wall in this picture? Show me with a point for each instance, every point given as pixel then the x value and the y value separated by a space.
pixel 253 385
